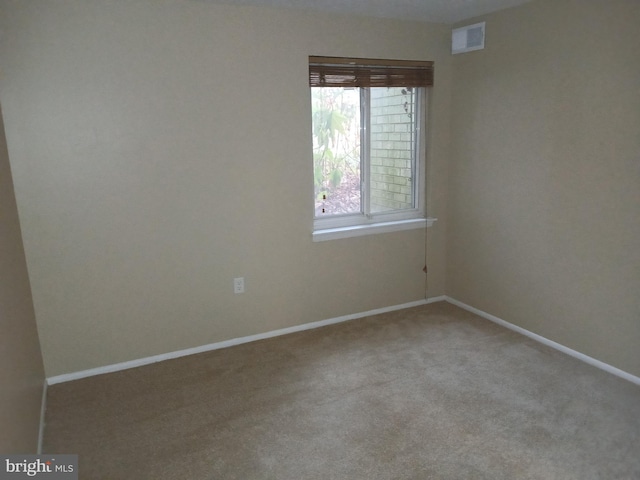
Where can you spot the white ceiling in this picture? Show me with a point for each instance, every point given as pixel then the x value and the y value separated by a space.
pixel 439 11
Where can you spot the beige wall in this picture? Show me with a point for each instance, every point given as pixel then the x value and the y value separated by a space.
pixel 21 370
pixel 544 199
pixel 161 148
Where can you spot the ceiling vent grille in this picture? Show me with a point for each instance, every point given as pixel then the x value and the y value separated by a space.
pixel 467 39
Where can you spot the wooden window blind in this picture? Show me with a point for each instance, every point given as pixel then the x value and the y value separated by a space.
pixel 368 72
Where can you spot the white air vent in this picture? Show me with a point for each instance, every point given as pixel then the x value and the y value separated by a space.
pixel 467 39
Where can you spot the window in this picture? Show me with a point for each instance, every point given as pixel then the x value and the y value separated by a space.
pixel 368 144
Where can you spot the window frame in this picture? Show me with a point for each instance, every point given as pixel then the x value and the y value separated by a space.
pixel 352 222
pixel 367 72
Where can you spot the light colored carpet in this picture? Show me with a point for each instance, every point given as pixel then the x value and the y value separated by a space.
pixel 428 392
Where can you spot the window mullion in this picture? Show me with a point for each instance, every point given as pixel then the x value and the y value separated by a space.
pixel 417 144
pixel 365 142
pixel 420 141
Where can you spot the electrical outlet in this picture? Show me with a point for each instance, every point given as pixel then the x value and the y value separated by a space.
pixel 238 285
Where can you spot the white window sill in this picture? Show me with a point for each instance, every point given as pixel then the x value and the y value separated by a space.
pixel 373 228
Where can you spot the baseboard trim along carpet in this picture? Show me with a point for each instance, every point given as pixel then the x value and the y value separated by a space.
pixel 68 377
pixel 550 343
pixel 43 408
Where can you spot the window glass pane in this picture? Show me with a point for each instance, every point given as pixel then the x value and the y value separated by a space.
pixel 336 150
pixel 392 132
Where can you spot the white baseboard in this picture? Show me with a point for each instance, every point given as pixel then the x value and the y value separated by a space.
pixel 67 377
pixel 43 409
pixel 538 338
pixel 441 298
